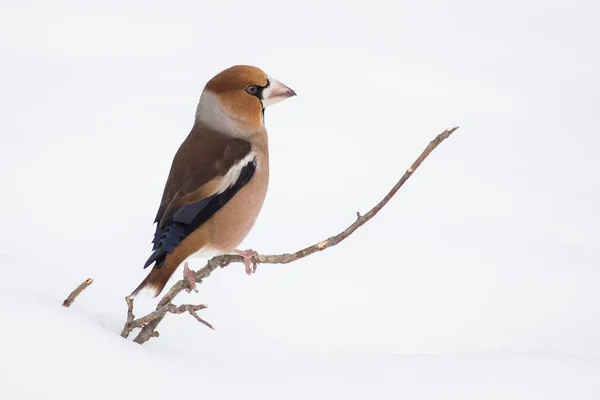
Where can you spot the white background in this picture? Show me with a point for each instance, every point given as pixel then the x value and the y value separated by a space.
pixel 480 278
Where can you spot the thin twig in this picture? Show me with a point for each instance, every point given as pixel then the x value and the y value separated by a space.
pixel 82 286
pixel 128 327
pixel 159 314
pixel 154 318
pixel 148 330
pixel 203 321
pixel 133 323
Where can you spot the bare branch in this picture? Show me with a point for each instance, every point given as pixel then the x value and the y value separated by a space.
pixel 151 321
pixel 82 286
pixel 147 331
pixel 159 313
pixel 202 320
pixel 128 327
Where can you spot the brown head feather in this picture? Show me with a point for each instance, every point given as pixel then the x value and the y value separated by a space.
pixel 230 86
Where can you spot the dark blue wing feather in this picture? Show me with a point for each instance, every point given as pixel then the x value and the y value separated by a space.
pixel 188 212
pixel 191 216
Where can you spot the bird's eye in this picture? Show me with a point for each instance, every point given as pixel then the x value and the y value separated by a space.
pixel 252 90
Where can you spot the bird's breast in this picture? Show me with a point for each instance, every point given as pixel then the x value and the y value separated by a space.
pixel 232 223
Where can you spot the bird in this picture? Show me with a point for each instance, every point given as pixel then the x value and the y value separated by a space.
pixel 219 176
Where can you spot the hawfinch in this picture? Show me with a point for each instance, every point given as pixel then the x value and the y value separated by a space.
pixel 219 176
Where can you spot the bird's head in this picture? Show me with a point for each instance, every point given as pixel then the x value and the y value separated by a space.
pixel 240 93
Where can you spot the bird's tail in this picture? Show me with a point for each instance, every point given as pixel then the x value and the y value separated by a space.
pixel 157 278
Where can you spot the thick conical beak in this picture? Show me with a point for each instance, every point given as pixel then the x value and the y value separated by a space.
pixel 275 92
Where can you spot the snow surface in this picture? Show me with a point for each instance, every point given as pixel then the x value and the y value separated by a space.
pixel 478 281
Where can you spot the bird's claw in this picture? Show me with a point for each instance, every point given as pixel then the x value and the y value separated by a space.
pixel 249 263
pixel 188 274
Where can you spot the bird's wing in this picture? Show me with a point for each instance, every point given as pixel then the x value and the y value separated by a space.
pixel 207 171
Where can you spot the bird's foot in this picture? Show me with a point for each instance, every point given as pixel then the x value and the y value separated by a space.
pixel 250 264
pixel 188 274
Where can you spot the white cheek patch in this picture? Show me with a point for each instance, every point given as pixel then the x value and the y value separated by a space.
pixel 211 112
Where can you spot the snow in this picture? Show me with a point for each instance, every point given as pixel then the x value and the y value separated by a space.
pixel 478 280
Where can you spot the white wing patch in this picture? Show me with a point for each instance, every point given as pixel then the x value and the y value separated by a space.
pixel 234 172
